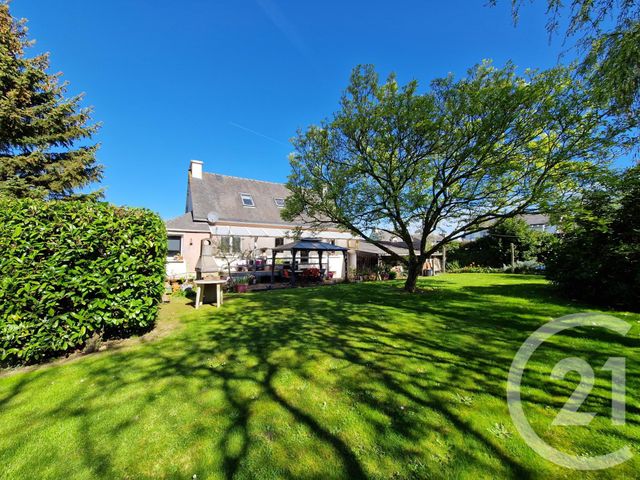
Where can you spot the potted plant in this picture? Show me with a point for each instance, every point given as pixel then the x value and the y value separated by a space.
pixel 311 274
pixel 241 284
pixel 175 283
pixel 354 275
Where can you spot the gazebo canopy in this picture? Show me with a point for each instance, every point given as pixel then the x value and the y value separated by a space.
pixel 310 244
pixel 306 245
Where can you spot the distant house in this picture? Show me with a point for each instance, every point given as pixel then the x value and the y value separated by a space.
pixel 540 222
pixel 242 217
pixel 371 254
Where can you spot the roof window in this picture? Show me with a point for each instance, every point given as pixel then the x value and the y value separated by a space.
pixel 247 200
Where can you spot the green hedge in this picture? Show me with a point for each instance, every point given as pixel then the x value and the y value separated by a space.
pixel 71 269
pixel 598 259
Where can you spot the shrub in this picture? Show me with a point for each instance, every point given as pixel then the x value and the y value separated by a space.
pixel 72 270
pixel 494 249
pixel 598 259
pixel 475 269
pixel 528 267
pixel 242 280
pixel 452 265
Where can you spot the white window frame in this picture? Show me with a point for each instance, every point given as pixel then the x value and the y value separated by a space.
pixel 181 237
pixel 228 244
pixel 275 200
pixel 245 196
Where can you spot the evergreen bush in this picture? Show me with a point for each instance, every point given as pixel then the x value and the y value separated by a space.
pixel 74 269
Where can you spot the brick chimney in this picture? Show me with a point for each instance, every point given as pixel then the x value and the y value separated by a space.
pixel 195 168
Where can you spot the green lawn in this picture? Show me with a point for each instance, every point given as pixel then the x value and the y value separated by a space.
pixel 348 381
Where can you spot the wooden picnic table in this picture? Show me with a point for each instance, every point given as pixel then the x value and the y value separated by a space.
pixel 201 292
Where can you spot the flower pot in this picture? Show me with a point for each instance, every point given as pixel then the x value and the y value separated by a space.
pixel 241 288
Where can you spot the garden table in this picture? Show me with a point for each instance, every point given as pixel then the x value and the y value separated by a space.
pixel 201 292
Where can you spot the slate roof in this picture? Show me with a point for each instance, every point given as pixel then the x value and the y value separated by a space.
pixel 536 219
pixel 220 194
pixel 185 223
pixel 397 247
pixel 530 218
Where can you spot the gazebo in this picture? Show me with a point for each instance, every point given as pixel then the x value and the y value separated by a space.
pixel 307 245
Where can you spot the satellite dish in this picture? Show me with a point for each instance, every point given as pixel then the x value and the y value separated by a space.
pixel 212 217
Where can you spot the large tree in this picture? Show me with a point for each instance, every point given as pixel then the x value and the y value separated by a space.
pixel 608 44
pixel 464 154
pixel 44 151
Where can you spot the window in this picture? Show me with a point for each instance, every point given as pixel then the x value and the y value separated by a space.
pixel 247 200
pixel 279 202
pixel 304 257
pixel 279 242
pixel 174 245
pixel 230 244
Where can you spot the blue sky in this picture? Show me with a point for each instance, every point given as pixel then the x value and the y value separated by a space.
pixel 230 82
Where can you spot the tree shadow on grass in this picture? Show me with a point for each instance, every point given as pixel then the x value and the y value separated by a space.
pixel 388 363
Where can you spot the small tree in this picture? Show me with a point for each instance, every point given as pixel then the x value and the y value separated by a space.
pixel 469 152
pixel 39 128
pixel 229 250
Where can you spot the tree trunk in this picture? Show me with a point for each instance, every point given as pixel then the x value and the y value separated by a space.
pixel 413 270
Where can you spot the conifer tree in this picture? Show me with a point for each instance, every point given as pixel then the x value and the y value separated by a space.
pixel 45 147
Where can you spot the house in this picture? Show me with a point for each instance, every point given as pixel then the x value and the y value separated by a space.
pixel 436 262
pixel 242 218
pixel 541 223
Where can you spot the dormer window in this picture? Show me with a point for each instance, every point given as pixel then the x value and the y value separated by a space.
pixel 247 200
pixel 279 202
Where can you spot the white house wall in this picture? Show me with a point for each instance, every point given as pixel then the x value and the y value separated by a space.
pixel 190 246
pixel 191 242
